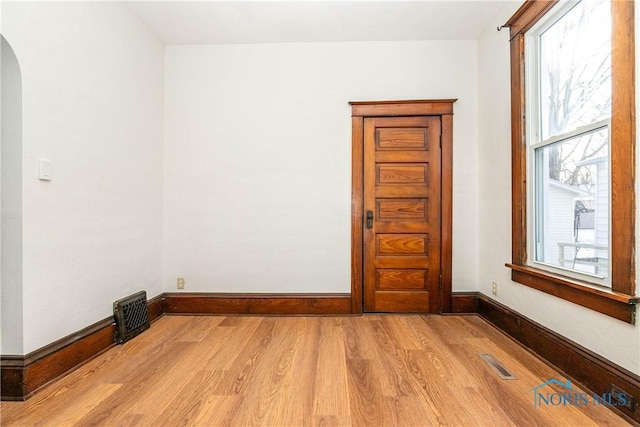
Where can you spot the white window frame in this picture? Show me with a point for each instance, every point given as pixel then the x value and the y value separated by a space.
pixel 533 131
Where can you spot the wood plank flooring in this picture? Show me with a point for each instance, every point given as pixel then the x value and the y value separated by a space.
pixel 389 370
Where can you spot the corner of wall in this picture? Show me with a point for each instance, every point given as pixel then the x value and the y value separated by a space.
pixel 601 334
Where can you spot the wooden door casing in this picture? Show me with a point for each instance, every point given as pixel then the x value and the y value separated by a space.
pixel 406 278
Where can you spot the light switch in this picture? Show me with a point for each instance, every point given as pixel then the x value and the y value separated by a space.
pixel 45 170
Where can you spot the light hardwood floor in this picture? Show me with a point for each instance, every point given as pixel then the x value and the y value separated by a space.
pixel 391 370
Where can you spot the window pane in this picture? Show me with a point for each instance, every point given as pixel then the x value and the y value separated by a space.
pixel 572 203
pixel 575 69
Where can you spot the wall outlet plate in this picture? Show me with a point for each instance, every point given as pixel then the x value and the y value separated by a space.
pixel 180 283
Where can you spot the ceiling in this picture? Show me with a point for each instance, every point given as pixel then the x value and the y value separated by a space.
pixel 221 22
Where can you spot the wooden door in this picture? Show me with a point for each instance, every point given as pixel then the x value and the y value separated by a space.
pixel 402 231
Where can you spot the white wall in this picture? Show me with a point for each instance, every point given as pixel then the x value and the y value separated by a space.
pixel 258 157
pixel 92 103
pixel 613 339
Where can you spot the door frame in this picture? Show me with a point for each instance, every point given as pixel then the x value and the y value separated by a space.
pixel 424 107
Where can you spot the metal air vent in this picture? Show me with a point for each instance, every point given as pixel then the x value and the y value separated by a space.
pixel 131 315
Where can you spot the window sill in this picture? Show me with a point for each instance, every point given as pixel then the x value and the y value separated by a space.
pixel 614 304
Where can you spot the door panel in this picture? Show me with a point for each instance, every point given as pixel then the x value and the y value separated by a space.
pixel 393 280
pixel 401 301
pixel 401 194
pixel 401 209
pixel 400 138
pixel 401 174
pixel 401 244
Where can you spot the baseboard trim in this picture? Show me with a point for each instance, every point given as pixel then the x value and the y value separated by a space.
pixel 583 366
pixel 263 304
pixel 21 376
pixel 156 307
pixel 464 303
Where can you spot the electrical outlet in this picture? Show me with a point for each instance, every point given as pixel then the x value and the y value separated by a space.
pixel 494 288
pixel 622 398
pixel 180 283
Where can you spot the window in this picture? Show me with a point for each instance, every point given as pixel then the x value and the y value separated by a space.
pixel 569 93
pixel 573 140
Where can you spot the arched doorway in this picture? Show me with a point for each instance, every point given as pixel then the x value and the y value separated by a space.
pixel 11 294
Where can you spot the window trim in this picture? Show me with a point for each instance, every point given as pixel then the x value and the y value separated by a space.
pixel 620 302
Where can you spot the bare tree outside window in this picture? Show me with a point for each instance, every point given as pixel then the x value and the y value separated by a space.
pixel 571 139
pixel 576 86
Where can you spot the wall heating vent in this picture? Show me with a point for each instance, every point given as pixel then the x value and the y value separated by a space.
pixel 131 316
